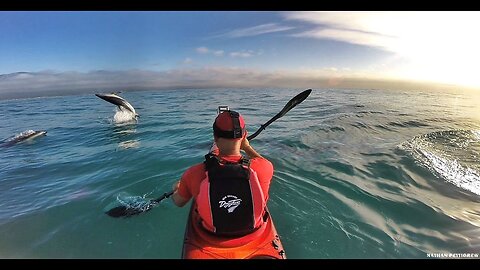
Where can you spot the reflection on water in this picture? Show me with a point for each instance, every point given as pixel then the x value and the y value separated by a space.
pixel 129 144
pixel 126 135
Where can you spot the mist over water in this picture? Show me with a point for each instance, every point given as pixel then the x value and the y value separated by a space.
pixel 358 173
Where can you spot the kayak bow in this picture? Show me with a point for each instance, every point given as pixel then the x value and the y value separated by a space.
pixel 264 243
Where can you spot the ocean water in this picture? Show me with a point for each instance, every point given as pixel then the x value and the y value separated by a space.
pixel 358 173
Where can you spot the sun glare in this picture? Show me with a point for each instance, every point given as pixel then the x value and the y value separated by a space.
pixel 434 46
pixel 441 46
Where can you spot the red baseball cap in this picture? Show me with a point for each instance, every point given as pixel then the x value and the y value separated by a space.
pixel 229 125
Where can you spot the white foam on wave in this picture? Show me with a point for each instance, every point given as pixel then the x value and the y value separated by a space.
pixel 452 171
pixel 449 155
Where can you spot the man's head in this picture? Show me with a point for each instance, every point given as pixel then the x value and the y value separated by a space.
pixel 229 125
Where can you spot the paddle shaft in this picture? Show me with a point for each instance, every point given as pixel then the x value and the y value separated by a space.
pixel 164 196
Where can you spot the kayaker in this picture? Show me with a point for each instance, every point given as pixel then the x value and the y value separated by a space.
pixel 231 194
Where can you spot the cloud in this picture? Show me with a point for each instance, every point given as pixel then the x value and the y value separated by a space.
pixel 205 50
pixel 386 30
pixel 352 36
pixel 202 50
pixel 242 54
pixel 256 30
pixel 187 60
pixel 218 53
pixel 405 33
pixel 32 84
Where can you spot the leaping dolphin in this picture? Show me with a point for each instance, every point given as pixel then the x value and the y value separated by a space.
pixel 24 136
pixel 119 101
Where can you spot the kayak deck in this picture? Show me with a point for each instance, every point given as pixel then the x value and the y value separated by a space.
pixel 264 243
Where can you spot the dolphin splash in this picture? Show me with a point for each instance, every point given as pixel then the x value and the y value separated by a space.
pixel 121 103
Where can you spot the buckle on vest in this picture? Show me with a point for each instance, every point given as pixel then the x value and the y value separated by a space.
pixel 246 162
pixel 265 216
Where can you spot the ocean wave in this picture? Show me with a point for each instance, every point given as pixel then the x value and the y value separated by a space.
pixel 452 155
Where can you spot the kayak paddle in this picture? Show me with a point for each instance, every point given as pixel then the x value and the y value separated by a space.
pixel 290 105
pixel 136 207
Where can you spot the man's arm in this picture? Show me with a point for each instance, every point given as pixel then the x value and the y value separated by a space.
pixel 176 198
pixel 245 146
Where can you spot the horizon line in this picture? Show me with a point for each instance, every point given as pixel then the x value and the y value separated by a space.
pixel 35 84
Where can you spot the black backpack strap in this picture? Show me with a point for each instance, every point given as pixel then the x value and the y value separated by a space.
pixel 210 161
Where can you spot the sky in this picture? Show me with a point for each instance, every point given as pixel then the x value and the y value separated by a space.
pixel 85 49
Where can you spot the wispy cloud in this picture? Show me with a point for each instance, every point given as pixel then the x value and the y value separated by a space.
pixel 218 53
pixel 235 54
pixel 242 54
pixel 352 36
pixel 202 50
pixel 376 29
pixel 187 60
pixel 205 50
pixel 256 30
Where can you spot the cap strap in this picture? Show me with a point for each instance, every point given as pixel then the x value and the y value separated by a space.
pixel 237 131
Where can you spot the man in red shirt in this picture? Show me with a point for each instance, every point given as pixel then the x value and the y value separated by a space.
pixel 245 184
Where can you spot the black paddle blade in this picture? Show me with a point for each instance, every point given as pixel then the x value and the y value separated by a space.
pixel 294 101
pixel 124 211
pixel 119 211
pixel 290 105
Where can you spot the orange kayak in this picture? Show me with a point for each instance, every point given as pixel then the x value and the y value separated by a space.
pixel 264 243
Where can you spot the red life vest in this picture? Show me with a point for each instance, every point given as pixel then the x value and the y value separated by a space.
pixel 230 201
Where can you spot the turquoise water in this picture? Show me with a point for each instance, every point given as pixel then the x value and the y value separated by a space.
pixel 358 173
